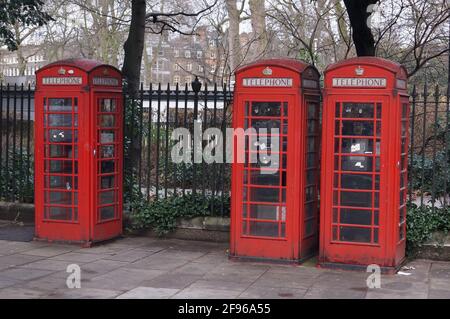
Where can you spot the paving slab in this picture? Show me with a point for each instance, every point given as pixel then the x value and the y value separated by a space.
pixel 48 264
pixel 122 279
pixel 158 263
pixel 204 293
pixel 195 268
pixel 148 293
pixel 17 260
pixel 76 257
pixel 187 255
pixel 172 280
pixel 272 293
pixel 220 285
pixel 21 293
pixel 131 255
pixel 278 279
pixel 24 274
pixel 50 251
pixel 237 272
pixel 83 293
pixel 413 290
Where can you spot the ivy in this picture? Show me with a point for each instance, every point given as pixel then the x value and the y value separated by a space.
pixel 161 215
pixel 422 222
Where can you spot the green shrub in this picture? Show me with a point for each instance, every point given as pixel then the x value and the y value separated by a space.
pixel 161 215
pixel 422 222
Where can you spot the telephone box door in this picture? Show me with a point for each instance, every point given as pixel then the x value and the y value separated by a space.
pixel 107 154
pixel 265 223
pixel 60 159
pixel 356 228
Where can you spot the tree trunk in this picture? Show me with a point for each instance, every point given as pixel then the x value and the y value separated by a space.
pixel 362 35
pixel 134 47
pixel 233 35
pixel 258 21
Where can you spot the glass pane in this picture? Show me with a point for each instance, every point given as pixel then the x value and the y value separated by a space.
pixel 58 213
pixel 59 182
pixel 60 198
pixel 264 194
pixel 312 111
pixel 107 137
pixel 311 209
pixel 107 105
pixel 354 234
pixel 108 120
pixel 357 146
pixel 358 110
pixel 60 151
pixel 263 229
pixel 107 151
pixel 60 105
pixel 356 199
pixel 309 191
pixel 257 178
pixel 107 212
pixel 266 126
pixel 62 120
pixel 107 167
pixel 310 177
pixel 266 109
pixel 357 163
pixel 55 166
pixel 356 217
pixel 357 128
pixel 106 197
pixel 107 182
pixel 63 136
pixel 353 181
pixel 267 212
pixel 309 227
pixel 312 126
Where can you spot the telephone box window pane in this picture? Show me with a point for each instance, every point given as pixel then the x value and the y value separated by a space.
pixel 60 198
pixel 310 177
pixel 107 105
pixel 378 129
pixel 107 167
pixel 60 105
pixel 357 146
pixel 107 182
pixel 266 109
pixel 107 151
pixel 55 166
pixel 356 216
pixel 59 213
pixel 62 120
pixel 335 215
pixel 309 227
pixel 356 199
pixel 312 111
pixel 358 110
pixel 311 159
pixel 63 136
pixel 376 218
pixel 337 127
pixel 107 120
pixel 379 110
pixel 266 126
pixel 59 182
pixel 377 182
pixel 263 229
pixel 59 151
pixel 312 126
pixel 335 237
pixel 310 209
pixel 355 234
pixel 257 178
pixel 311 144
pixel 309 193
pixel 107 212
pixel 353 181
pixel 265 195
pixel 357 128
pixel 107 137
pixel 267 212
pixel 357 163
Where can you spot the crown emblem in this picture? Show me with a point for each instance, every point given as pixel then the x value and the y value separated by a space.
pixel 359 70
pixel 62 71
pixel 267 71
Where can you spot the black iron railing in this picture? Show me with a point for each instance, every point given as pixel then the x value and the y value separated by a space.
pixel 152 116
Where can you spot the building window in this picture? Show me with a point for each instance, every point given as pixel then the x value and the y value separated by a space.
pixel 176 67
pixel 161 52
pixel 187 80
pixel 176 53
pixel 176 79
pixel 213 55
pixel 199 54
pixel 200 68
pixel 212 43
pixel 187 54
pixel 189 67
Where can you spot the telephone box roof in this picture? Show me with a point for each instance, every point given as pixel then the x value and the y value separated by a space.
pixel 86 65
pixel 391 66
pixel 292 64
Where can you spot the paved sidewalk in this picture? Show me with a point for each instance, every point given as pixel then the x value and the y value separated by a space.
pixel 156 268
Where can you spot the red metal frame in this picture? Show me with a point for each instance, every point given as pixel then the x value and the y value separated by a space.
pixel 67 151
pixel 279 200
pixel 361 145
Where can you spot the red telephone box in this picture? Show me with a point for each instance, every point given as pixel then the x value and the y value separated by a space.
pixel 78 151
pixel 274 212
pixel 364 164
